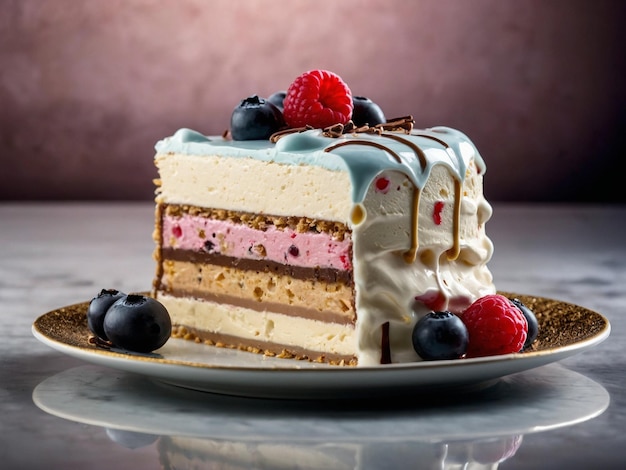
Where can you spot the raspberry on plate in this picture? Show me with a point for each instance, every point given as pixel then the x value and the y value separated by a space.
pixel 495 326
pixel 318 98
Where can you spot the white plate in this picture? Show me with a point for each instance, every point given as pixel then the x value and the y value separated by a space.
pixel 565 330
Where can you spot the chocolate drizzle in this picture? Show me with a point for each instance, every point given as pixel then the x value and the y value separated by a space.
pixel 453 253
pixel 410 255
pixel 365 142
pixel 443 143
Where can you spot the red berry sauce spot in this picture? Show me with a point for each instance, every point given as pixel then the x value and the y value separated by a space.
pixel 382 185
pixel 437 212
pixel 433 299
pixel 345 261
pixel 177 231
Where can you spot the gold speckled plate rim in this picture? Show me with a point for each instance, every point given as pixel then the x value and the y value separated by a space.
pixel 565 328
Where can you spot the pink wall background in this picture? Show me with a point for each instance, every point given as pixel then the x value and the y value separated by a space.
pixel 88 87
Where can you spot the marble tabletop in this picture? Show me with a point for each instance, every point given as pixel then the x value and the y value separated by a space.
pixel 61 412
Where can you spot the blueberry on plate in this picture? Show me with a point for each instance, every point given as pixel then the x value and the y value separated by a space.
pixel 365 111
pixel 440 336
pixel 138 323
pixel 533 325
pixel 255 119
pixel 98 307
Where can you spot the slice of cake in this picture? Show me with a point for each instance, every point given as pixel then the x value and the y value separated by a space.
pixel 320 247
pixel 320 244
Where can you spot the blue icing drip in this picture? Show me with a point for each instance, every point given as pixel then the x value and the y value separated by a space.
pixel 461 146
pixel 302 142
pixel 182 141
pixel 188 135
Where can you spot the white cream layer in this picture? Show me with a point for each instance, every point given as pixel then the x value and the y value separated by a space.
pixel 251 185
pixel 262 326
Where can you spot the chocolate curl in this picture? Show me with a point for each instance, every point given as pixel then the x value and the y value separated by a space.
pixel 334 131
pixel 352 129
pixel 348 128
pixel 404 124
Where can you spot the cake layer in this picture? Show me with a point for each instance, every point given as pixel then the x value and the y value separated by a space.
pixel 261 291
pixel 252 185
pixel 238 240
pixel 260 221
pixel 297 272
pixel 267 331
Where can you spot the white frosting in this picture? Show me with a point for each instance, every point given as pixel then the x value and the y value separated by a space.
pixel 386 284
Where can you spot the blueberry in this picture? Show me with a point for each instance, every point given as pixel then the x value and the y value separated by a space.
pixel 365 111
pixel 439 336
pixel 277 99
pixel 138 323
pixel 98 308
pixel 533 325
pixel 255 119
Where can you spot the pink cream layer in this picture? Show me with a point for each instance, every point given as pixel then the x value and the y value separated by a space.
pixel 240 241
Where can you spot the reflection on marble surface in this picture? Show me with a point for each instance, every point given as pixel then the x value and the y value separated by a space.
pixel 361 434
pixel 186 453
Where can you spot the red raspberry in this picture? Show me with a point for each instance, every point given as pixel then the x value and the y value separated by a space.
pixel 495 326
pixel 317 98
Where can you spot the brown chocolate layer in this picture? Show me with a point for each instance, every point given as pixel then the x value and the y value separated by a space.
pixel 297 272
pixel 260 347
